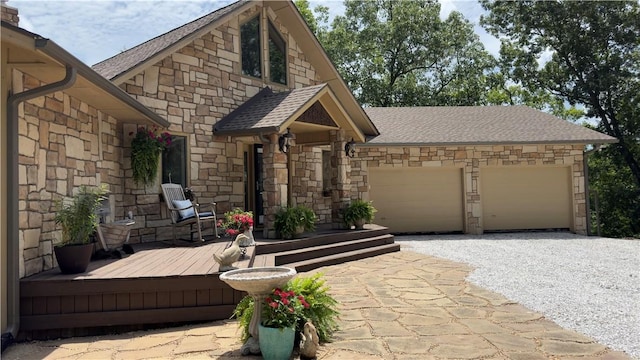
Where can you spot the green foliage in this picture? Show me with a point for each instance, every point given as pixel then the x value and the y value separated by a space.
pixel 359 210
pixel 78 217
pixel 583 52
pixel 146 147
pixel 289 219
pixel 616 195
pixel 322 307
pixel 400 53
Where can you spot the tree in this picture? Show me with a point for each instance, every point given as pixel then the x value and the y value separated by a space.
pixel 400 53
pixel 584 52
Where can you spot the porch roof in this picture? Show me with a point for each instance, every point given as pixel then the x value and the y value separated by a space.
pixel 270 112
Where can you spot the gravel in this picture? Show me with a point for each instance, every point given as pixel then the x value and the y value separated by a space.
pixel 588 284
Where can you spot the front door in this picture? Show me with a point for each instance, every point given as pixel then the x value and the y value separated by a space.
pixel 253 182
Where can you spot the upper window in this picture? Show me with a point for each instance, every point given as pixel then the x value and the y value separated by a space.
pixel 174 161
pixel 277 56
pixel 250 47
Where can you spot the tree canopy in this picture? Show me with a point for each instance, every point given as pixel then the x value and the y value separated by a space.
pixel 583 52
pixel 400 53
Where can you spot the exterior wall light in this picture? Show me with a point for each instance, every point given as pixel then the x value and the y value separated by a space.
pixel 350 148
pixel 284 141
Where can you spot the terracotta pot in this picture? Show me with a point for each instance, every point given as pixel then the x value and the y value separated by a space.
pixel 73 259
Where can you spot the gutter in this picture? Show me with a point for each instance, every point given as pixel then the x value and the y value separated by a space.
pixel 13 243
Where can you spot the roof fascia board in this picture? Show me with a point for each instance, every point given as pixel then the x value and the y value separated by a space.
pixel 59 55
pixel 123 77
pixel 360 137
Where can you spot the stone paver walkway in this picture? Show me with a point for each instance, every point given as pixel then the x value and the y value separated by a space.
pixel 396 306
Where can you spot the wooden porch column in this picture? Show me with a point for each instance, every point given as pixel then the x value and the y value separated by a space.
pixel 275 183
pixel 340 181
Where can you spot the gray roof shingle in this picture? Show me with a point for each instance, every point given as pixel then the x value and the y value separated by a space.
pixel 441 125
pixel 266 111
pixel 126 60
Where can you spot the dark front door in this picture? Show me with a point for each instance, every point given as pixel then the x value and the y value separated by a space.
pixel 253 182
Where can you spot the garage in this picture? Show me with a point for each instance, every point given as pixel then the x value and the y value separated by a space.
pixel 522 198
pixel 418 199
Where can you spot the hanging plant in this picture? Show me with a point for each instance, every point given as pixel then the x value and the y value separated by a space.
pixel 146 147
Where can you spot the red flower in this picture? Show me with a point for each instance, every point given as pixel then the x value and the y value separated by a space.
pixel 273 304
pixel 285 301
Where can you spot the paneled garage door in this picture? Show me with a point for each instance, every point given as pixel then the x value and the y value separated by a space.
pixel 417 199
pixel 525 198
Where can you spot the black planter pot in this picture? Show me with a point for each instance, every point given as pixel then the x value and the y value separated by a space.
pixel 73 259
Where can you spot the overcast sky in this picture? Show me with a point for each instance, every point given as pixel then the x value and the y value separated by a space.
pixel 94 30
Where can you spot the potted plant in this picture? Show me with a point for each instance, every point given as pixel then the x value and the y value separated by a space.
pixel 237 222
pixel 322 309
pixel 146 147
pixel 291 222
pixel 358 213
pixel 79 220
pixel 281 312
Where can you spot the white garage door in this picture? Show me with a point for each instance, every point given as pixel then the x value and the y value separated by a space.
pixel 526 198
pixel 417 199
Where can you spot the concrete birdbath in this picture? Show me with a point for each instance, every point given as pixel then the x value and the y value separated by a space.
pixel 257 282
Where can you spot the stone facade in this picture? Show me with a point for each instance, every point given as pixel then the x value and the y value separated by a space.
pixel 307 181
pixel 63 144
pixel 471 159
pixel 193 88
pixel 9 14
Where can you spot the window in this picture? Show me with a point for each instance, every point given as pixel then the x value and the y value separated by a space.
pixel 250 48
pixel 277 56
pixel 174 161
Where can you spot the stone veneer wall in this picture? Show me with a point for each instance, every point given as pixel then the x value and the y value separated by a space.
pixel 472 159
pixel 9 14
pixel 63 144
pixel 306 187
pixel 194 88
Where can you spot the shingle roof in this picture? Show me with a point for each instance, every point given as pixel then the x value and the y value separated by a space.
pixel 266 111
pixel 476 125
pixel 118 64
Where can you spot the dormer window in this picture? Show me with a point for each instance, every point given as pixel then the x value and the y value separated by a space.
pixel 277 56
pixel 250 47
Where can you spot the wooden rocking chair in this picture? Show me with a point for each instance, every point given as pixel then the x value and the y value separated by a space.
pixel 184 212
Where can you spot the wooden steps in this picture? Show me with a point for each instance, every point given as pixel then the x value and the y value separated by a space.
pixel 308 254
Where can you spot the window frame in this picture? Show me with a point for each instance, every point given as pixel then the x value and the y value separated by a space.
pixel 185 158
pixel 285 46
pixel 260 67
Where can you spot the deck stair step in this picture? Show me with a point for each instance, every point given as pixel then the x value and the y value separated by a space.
pixel 319 240
pixel 334 259
pixel 308 253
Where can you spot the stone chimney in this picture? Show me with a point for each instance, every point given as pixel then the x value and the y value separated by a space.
pixel 9 14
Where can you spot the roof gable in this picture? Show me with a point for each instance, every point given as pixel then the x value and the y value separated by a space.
pixel 125 65
pixel 116 67
pixel 480 125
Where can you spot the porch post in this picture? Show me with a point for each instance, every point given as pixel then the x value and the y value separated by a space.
pixel 340 181
pixel 275 183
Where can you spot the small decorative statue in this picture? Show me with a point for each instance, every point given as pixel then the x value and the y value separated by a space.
pixel 230 254
pixel 309 341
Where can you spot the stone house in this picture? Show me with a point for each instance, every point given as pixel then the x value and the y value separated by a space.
pixel 232 87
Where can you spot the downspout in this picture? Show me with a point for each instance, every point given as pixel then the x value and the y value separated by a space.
pixel 13 244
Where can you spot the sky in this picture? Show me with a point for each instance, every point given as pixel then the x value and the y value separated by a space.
pixel 94 30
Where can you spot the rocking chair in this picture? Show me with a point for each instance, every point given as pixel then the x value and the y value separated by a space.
pixel 184 212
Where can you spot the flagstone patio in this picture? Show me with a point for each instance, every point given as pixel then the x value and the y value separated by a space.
pixel 401 305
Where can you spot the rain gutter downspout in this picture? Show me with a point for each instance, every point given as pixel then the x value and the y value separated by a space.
pixel 13 243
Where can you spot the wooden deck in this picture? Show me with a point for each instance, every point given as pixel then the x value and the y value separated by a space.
pixel 157 284
pixel 165 283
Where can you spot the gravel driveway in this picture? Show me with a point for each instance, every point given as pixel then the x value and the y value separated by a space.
pixel 587 284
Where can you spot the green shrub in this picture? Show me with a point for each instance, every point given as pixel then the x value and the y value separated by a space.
pixel 322 310
pixel 290 219
pixel 358 210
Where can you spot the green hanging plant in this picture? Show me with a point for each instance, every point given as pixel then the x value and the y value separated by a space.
pixel 146 147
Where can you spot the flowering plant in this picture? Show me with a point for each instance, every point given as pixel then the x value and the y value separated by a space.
pixel 236 222
pixel 283 309
pixel 146 147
